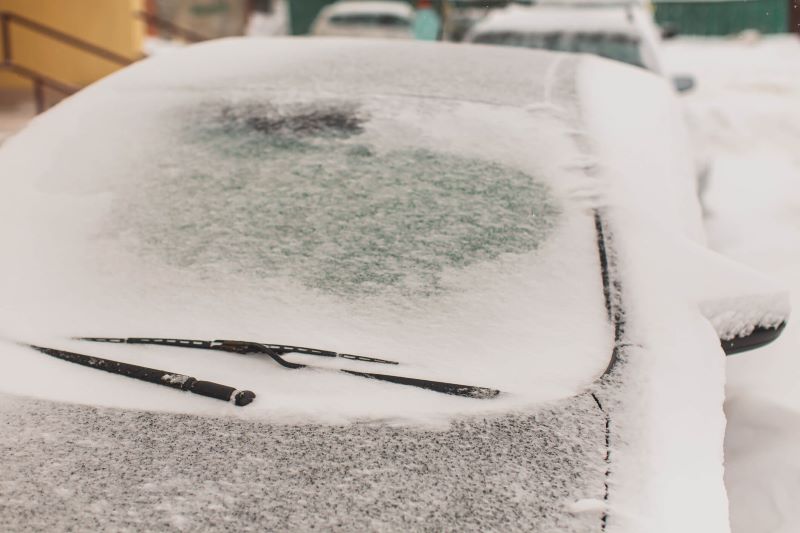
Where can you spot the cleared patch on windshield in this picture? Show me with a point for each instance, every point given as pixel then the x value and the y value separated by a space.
pixel 333 119
pixel 337 214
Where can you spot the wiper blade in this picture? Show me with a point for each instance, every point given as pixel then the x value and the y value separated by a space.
pixel 275 352
pixel 280 349
pixel 153 375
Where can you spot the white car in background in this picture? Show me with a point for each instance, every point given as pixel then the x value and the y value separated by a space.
pixel 383 19
pixel 623 32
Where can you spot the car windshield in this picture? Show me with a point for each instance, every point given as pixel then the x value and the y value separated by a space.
pixel 370 19
pixel 374 224
pixel 619 47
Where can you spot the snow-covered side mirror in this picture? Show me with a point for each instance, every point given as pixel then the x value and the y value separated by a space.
pixel 760 336
pixel 746 309
pixel 683 83
pixel 747 322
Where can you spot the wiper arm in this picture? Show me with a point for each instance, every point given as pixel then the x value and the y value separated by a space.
pixel 233 346
pixel 153 375
pixel 276 351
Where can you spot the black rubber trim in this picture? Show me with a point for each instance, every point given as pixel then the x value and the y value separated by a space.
pixel 759 337
pixel 612 291
pixel 468 391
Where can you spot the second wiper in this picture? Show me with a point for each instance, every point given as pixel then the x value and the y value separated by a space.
pixel 276 352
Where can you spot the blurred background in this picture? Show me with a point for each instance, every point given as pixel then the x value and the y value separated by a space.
pixel 736 63
pixel 52 48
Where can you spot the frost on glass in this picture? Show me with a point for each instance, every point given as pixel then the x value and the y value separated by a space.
pixel 303 192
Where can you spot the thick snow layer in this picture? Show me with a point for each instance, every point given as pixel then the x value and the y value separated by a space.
pixel 240 207
pixel 668 430
pixel 734 297
pixel 748 106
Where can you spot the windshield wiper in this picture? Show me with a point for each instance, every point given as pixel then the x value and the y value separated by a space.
pixel 279 349
pixel 276 351
pixel 153 375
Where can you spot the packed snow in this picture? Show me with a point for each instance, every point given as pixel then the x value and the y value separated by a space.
pixel 668 430
pixel 747 105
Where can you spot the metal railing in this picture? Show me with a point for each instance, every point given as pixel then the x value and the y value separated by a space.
pixel 41 80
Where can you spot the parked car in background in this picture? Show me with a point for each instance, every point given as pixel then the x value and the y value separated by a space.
pixel 461 15
pixel 518 220
pixel 619 31
pixel 386 19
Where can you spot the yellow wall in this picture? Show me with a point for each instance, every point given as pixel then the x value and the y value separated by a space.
pixel 106 23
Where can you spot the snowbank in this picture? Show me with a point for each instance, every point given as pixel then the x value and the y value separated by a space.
pixel 748 105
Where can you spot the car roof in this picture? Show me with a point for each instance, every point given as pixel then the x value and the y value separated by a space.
pixel 357 66
pixel 616 19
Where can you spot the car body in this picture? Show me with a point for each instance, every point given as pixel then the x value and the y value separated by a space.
pixel 347 194
pixel 384 19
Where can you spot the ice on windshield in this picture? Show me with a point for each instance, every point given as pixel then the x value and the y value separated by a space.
pixel 315 199
pixel 443 233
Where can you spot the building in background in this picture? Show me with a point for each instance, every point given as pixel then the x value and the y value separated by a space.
pixel 210 19
pixel 68 43
pixel 727 17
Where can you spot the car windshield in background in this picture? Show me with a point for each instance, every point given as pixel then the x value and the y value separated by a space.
pixel 370 19
pixel 619 47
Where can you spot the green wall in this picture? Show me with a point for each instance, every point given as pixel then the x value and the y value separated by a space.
pixel 303 12
pixel 725 17
pixel 689 17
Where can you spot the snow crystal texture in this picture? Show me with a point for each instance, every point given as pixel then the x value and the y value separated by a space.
pixel 83 468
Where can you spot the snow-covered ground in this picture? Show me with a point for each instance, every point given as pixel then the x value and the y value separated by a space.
pixel 748 107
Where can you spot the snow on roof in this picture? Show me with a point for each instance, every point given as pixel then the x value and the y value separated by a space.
pixel 372 7
pixel 555 18
pixel 352 66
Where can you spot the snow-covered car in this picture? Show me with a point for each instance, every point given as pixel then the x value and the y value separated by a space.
pixel 621 31
pixel 501 338
pixel 385 19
